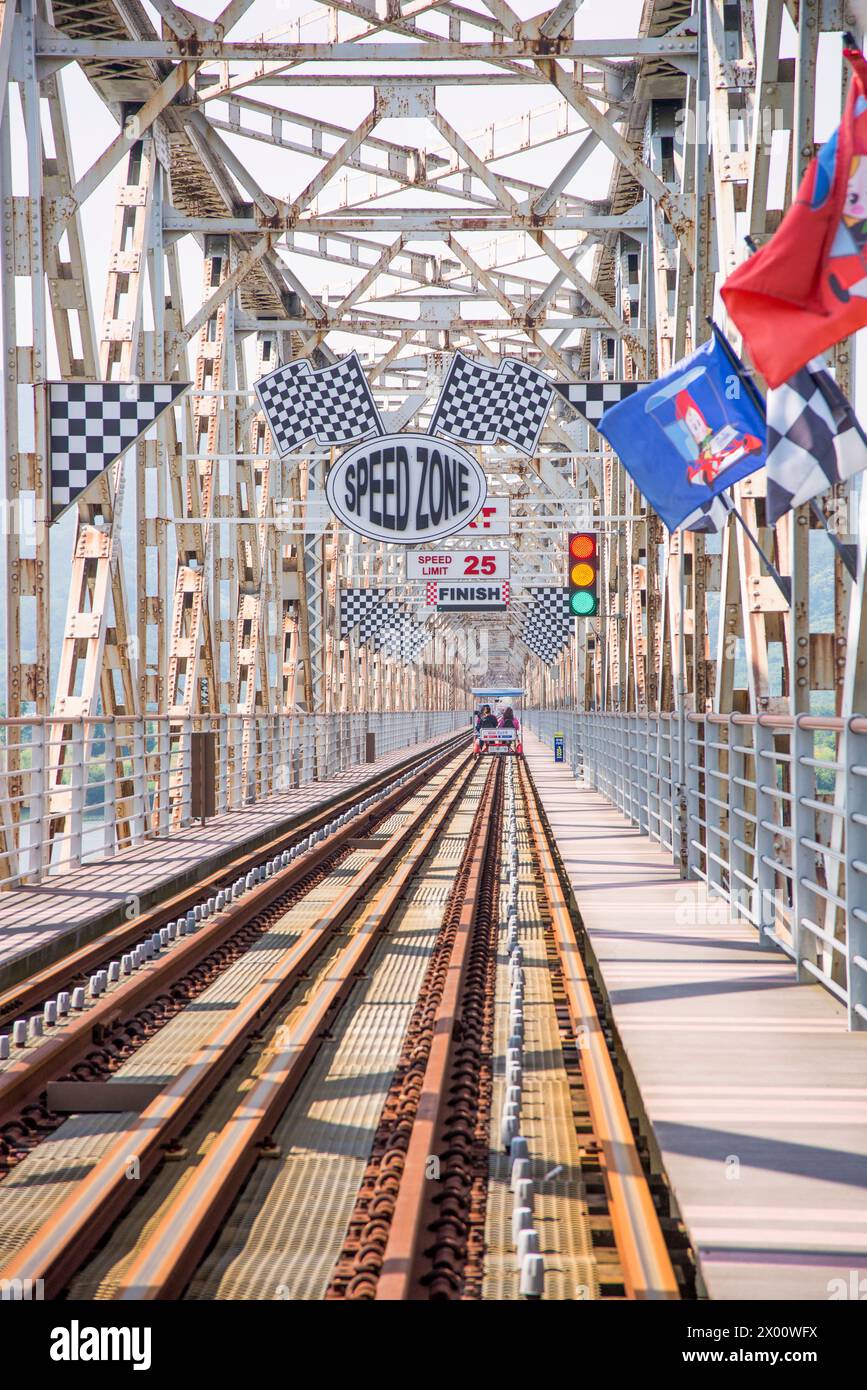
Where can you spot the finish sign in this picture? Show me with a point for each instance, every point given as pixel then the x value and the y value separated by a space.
pixel 458 564
pixel 406 488
pixel 468 598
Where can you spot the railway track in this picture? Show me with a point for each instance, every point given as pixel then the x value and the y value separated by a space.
pixel 395 1086
pixel 89 1003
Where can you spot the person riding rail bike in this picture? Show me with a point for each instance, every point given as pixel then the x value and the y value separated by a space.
pixel 484 720
pixel 509 720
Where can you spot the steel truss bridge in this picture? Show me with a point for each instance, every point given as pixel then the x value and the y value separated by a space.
pixel 202 590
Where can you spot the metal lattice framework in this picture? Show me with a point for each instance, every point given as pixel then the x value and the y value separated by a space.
pixel 408 247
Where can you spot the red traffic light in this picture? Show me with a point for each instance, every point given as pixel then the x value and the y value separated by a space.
pixel 582 545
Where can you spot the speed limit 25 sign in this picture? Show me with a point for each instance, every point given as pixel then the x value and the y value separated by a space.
pixel 457 564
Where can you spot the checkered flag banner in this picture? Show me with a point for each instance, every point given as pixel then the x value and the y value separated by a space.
pixel 814 439
pixel 333 405
pixel 379 622
pixel 355 605
pixel 479 405
pixel 405 641
pixel 548 623
pixel 708 518
pixel 592 398
pixel 90 424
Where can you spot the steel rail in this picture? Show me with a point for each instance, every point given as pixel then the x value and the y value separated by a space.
pixel 25 1079
pixel 18 998
pixel 407 1235
pixel 169 1257
pixel 644 1258
pixel 63 1242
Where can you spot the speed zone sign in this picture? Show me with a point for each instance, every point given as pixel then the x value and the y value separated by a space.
pixel 457 564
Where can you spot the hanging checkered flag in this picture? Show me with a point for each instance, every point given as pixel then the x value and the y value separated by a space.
pixel 355 605
pixel 814 439
pixel 479 405
pixel 548 623
pixel 379 622
pixel 708 518
pixel 334 405
pixel 405 641
pixel 90 424
pixel 592 398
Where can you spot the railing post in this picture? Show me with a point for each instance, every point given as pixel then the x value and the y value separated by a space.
pixel 591 762
pixel 737 823
pixel 76 790
pixel 766 894
pixel 640 772
pixel 185 729
pixel 109 791
pixel 231 761
pixel 139 781
pixel 36 824
pixel 803 828
pixel 653 771
pixel 308 771
pixel 629 753
pixel 266 765
pixel 576 746
pixel 854 755
pixel 712 812
pixel 692 800
pixel 164 759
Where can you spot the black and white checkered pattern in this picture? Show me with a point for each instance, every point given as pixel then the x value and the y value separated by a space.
pixel 405 641
pixel 814 439
pixel 91 424
pixel 480 405
pixel 355 604
pixel 333 405
pixel 547 623
pixel 592 398
pixel 393 632
pixel 709 517
pixel 380 624
pixel 384 625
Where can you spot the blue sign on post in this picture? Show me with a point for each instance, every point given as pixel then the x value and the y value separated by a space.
pixel 559 748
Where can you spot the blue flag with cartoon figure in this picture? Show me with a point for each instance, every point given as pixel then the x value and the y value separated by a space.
pixel 691 434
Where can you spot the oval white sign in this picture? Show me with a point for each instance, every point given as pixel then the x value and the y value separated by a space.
pixel 406 488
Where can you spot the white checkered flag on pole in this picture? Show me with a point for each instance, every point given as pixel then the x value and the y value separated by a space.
pixel 91 423
pixel 479 405
pixel 333 405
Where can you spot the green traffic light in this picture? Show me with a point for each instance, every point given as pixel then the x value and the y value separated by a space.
pixel 583 605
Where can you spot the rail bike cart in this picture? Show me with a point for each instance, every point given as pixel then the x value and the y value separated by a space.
pixel 498 740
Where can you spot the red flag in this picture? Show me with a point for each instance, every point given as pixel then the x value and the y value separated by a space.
pixel 806 288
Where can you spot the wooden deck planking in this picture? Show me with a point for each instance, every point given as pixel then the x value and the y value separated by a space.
pixel 754 1091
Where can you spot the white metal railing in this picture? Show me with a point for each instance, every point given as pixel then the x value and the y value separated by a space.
pixel 769 811
pixel 78 790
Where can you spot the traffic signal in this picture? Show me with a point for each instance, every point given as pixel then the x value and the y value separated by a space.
pixel 583 574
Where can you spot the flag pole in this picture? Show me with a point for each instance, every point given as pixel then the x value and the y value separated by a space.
pixel 746 381
pixel 783 582
pixel 845 553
